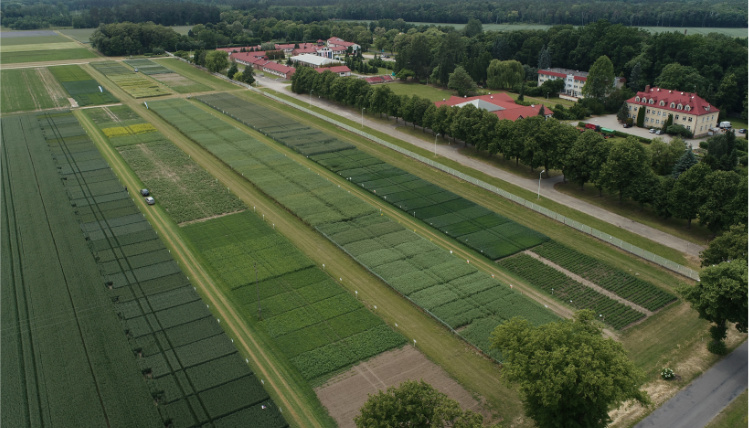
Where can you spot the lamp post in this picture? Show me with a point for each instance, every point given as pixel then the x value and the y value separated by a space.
pixel 435 144
pixel 310 96
pixel 362 116
pixel 538 194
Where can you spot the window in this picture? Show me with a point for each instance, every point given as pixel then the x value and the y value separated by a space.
pixel 651 101
pixel 689 127
pixel 677 117
pixel 673 105
pixel 637 99
pixel 647 119
pixel 680 107
pixel 659 112
pixel 689 108
pixel 690 119
pixel 662 103
pixel 658 122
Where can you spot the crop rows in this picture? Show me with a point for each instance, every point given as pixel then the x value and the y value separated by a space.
pixel 299 190
pixel 81 86
pixel 146 66
pixel 320 328
pixel 566 289
pixel 621 283
pixel 176 341
pixel 110 68
pixel 472 225
pixel 312 198
pixel 138 86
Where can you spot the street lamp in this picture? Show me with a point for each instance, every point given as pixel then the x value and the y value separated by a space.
pixel 310 96
pixel 538 194
pixel 435 144
pixel 362 116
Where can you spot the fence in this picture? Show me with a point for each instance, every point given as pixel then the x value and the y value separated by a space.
pixel 647 255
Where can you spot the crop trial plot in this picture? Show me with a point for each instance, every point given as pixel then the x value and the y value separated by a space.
pixel 345 220
pixel 146 66
pixel 162 321
pixel 135 84
pixel 30 89
pixel 81 86
pixel 318 326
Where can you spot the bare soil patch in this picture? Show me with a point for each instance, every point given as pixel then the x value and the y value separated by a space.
pixel 344 394
pixel 173 79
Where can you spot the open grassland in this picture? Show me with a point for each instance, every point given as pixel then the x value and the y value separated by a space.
pixel 29 89
pixel 65 357
pixel 81 86
pixel 193 373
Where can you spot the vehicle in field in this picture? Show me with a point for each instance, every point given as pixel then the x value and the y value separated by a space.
pixel 144 192
pixel 150 200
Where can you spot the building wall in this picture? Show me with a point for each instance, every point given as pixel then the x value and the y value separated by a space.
pixel 656 117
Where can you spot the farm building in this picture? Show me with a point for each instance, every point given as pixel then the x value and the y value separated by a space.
pixel 500 104
pixel 340 70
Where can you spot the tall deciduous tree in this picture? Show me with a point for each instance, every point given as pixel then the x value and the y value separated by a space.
pixel 720 189
pixel 504 74
pixel 600 81
pixel 216 61
pixel 584 160
pixel 721 297
pixel 414 404
pixel 731 245
pixel 627 163
pixel 688 193
pixel 568 373
pixel 461 82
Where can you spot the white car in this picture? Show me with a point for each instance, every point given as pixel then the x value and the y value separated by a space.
pixel 150 200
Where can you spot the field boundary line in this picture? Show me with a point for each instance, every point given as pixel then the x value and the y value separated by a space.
pixel 637 251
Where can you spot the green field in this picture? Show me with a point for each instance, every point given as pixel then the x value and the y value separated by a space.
pixel 318 327
pixel 185 365
pixel 81 86
pixel 29 89
pixel 65 357
pixel 19 39
pixel 134 84
pixel 45 55
pixel 429 92
pixel 39 47
pixel 146 66
pixel 193 74
pixel 83 35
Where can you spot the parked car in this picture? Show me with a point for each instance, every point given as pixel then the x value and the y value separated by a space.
pixel 742 131
pixel 144 192
pixel 150 200
pixel 652 130
pixel 658 132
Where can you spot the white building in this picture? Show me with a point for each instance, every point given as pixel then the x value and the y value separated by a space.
pixel 573 80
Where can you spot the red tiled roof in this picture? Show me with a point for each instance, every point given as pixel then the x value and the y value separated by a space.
pixel 697 105
pixel 509 110
pixel 285 46
pixel 552 73
pixel 239 49
pixel 379 79
pixel 580 78
pixel 285 69
pixel 336 69
pixel 340 42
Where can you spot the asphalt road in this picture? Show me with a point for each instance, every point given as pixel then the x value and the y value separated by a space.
pixel 696 405
pixel 547 185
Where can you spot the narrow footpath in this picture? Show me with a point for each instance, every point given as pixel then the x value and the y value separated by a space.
pixel 451 152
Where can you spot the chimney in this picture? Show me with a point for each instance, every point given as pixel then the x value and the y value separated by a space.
pixel 647 88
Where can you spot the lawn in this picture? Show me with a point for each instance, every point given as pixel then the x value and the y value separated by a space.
pixel 429 92
pixel 735 415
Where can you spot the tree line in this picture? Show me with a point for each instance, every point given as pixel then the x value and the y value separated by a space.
pixel 667 177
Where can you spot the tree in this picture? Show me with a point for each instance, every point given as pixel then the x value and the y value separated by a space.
pixel 634 77
pixel 682 78
pixel 584 159
pixel 504 74
pixel 640 117
pixel 686 161
pixel 568 373
pixel 216 61
pixel 473 28
pixel 232 70
pixel 721 297
pixel 623 114
pixel 414 404
pixel 461 82
pixel 720 189
pixel 721 151
pixel 663 156
pixel 627 163
pixel 688 194
pixel 544 58
pixel 600 81
pixel 731 245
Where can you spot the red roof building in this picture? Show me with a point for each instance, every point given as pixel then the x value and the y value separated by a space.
pixel 687 109
pixel 573 80
pixel 279 69
pixel 500 104
pixel 379 79
pixel 340 70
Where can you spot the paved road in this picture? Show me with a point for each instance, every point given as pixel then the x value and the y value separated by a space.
pixel 696 405
pixel 547 185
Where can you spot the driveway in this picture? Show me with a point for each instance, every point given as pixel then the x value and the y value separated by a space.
pixel 696 405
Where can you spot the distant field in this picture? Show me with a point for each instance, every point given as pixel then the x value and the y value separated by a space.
pixel 194 74
pixel 30 89
pixel 45 55
pixel 31 40
pixel 83 35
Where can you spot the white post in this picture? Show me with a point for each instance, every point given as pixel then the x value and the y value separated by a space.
pixel 538 194
pixel 435 144
pixel 362 116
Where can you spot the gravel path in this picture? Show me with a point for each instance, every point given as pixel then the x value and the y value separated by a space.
pixel 547 185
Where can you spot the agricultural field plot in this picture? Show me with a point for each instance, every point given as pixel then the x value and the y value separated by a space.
pixel 310 197
pixel 138 86
pixel 65 359
pixel 122 126
pixel 180 84
pixel 82 35
pixel 81 86
pixel 30 89
pixel 299 190
pixel 619 282
pixel 468 301
pixel 189 365
pixel 35 46
pixel 320 328
pixel 474 226
pixel 195 75
pixel 146 66
pixel 565 289
pixel 109 68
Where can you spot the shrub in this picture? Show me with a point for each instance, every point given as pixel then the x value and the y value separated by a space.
pixel 667 373
pixel 717 347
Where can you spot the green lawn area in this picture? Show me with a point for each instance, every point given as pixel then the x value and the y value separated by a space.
pixel 425 91
pixel 735 415
pixel 45 55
